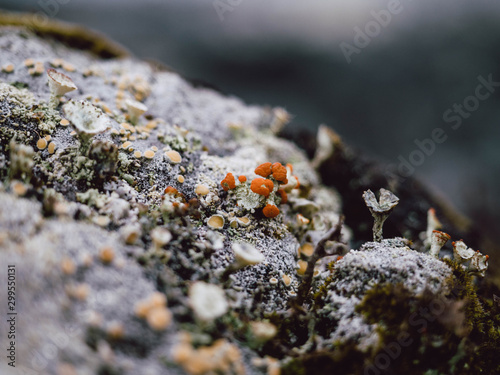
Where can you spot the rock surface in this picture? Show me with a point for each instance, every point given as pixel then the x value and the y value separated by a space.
pixel 124 242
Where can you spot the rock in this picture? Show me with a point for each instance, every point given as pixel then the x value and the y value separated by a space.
pixel 110 235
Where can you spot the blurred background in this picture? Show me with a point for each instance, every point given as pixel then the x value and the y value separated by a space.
pixel 383 74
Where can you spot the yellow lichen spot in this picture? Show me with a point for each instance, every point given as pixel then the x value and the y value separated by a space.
pixel 57 63
pixel 116 330
pixel 307 249
pixel 154 148
pixel 37 70
pixel 273 281
pixel 114 131
pixel 126 144
pixel 101 220
pixel 159 318
pixel 29 62
pixel 123 131
pixel 106 254
pixel 201 189
pixel 151 125
pixel 80 291
pixel 68 67
pixel 48 138
pixel 8 68
pixel 286 280
pixel 64 122
pixel 157 299
pixel 150 154
pixel 86 259
pixel 73 133
pixel 51 148
pixel 182 352
pixel 41 144
pixel 216 222
pixel 132 138
pixel 120 94
pixel 221 357
pixel 68 266
pixel 18 188
pixel 302 267
pixel 141 308
pixel 243 221
pixel 138 154
pixel 180 179
pixel 130 149
pixel 173 156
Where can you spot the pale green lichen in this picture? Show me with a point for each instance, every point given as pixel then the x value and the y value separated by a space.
pixel 21 160
pixel 92 197
pixel 24 108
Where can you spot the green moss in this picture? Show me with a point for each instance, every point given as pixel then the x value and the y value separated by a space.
pixel 72 35
pixel 386 303
pixel 483 321
pixel 463 288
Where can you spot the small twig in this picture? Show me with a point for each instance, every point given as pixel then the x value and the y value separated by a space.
pixel 319 252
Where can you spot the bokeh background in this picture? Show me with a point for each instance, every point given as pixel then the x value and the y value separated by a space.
pixel 394 91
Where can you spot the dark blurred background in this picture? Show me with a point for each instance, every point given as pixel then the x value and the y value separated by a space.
pixel 394 91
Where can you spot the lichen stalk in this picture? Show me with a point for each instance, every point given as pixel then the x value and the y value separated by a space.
pixel 333 234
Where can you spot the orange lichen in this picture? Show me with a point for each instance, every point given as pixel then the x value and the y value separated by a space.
pixel 279 173
pixel 289 166
pixel 171 190
pixel 262 186
pixel 284 196
pixel 228 182
pixel 242 179
pixel 270 211
pixel 264 170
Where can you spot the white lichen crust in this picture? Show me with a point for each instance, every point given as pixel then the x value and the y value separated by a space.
pixel 377 263
pixel 133 253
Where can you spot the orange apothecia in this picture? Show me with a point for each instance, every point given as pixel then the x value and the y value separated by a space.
pixel 262 186
pixel 274 182
pixel 228 182
pixel 264 170
pixel 284 196
pixel 279 173
pixel 270 211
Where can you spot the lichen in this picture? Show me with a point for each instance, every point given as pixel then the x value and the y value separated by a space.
pixel 182 239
